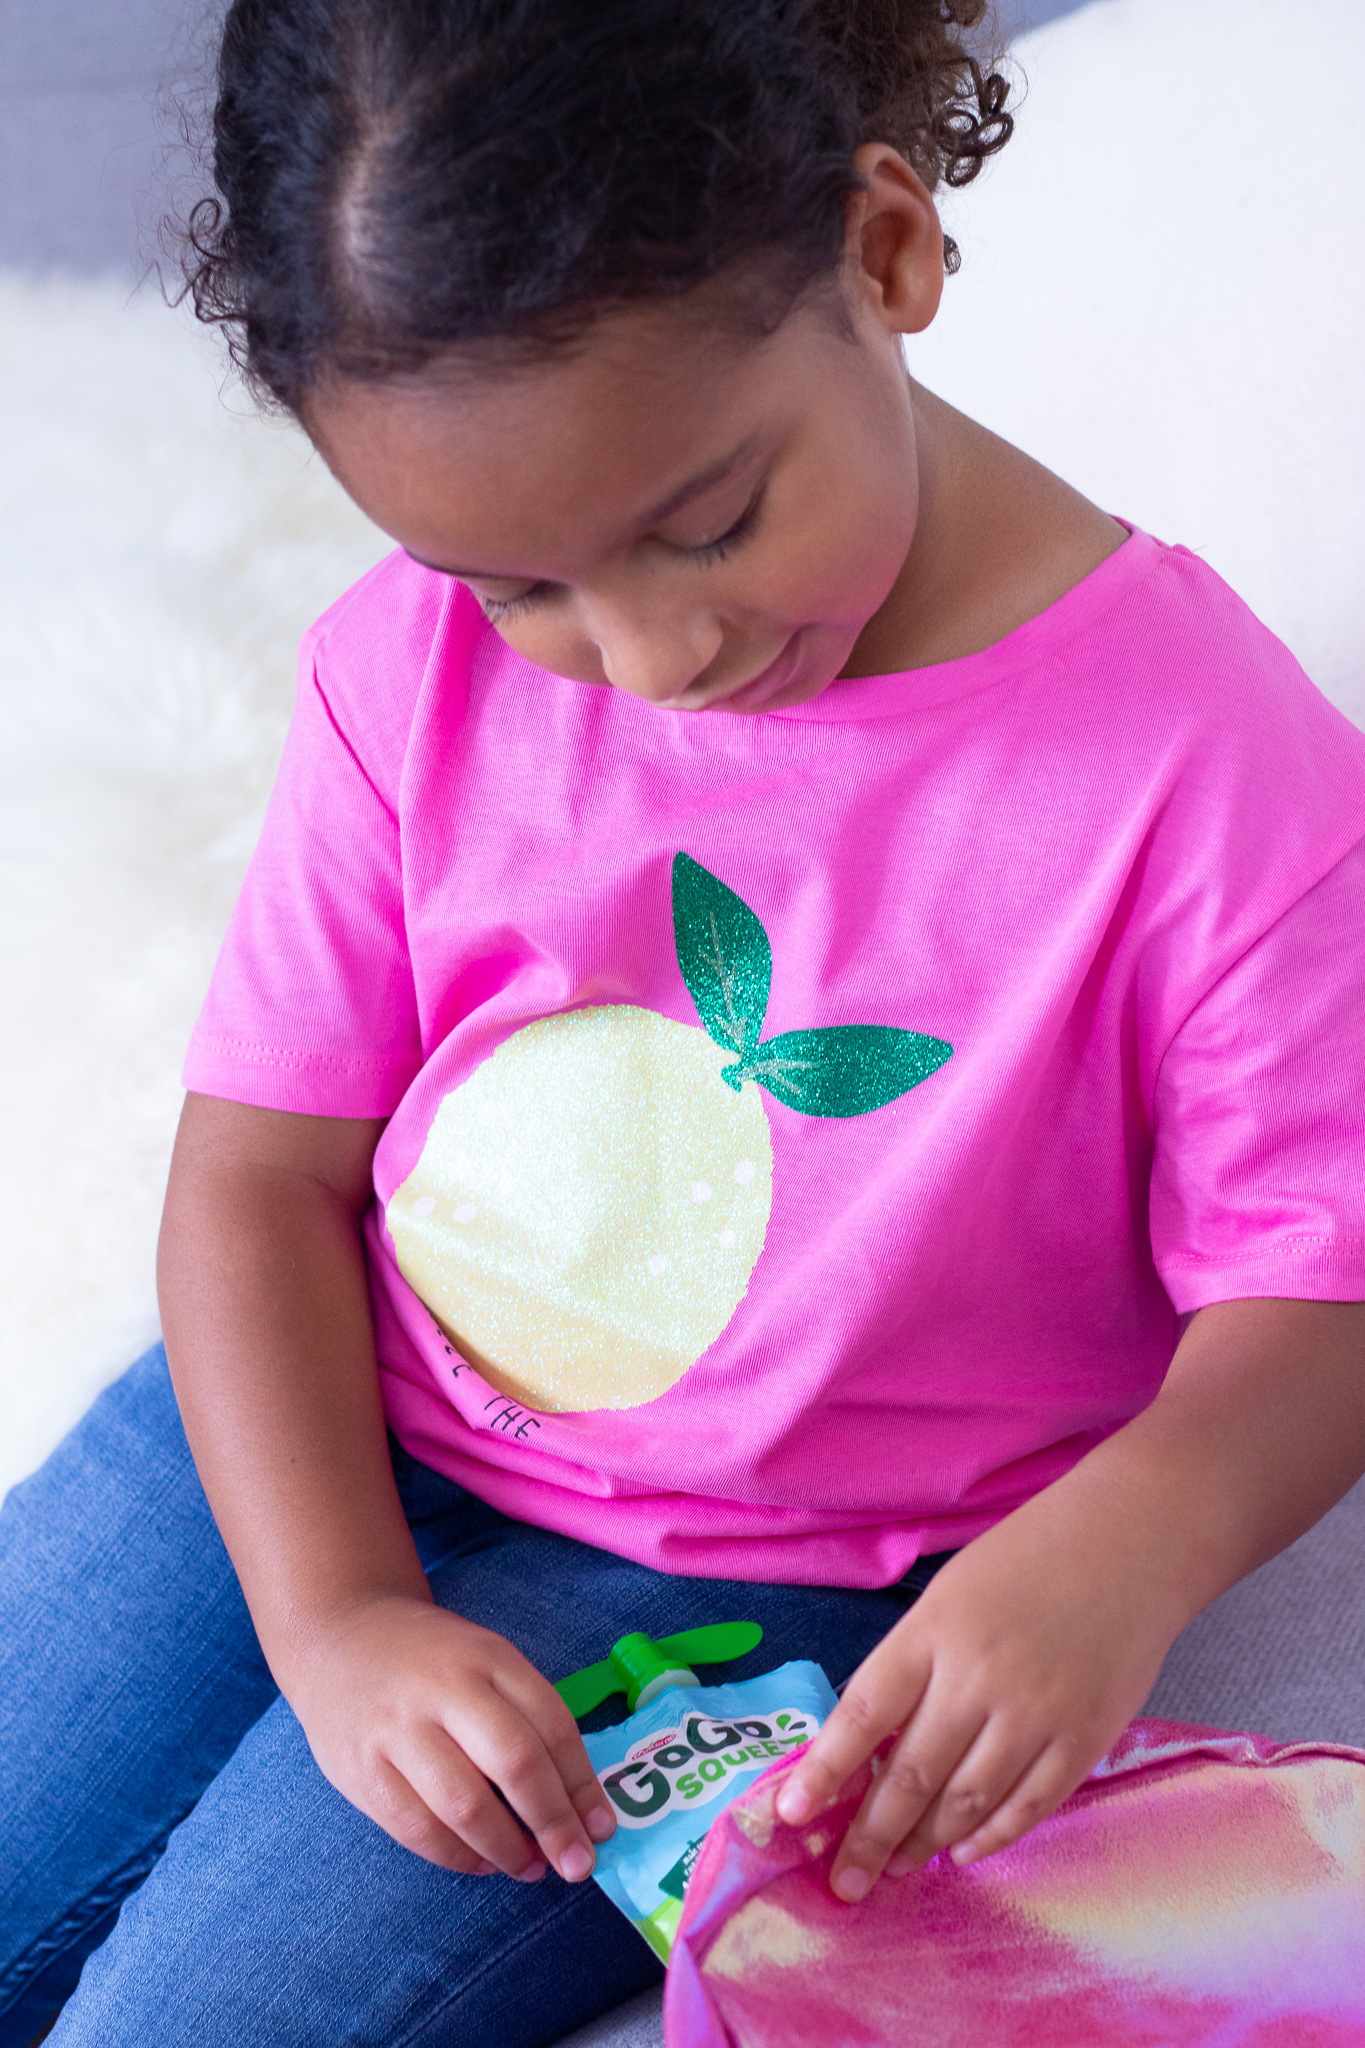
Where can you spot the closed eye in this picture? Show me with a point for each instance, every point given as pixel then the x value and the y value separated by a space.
pixel 717 550
pixel 495 609
pixel 498 609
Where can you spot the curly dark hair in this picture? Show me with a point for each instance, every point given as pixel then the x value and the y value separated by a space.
pixel 403 180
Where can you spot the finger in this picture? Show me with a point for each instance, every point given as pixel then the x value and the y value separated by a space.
pixel 459 1797
pixel 524 1688
pixel 883 1693
pixel 507 1748
pixel 1050 1779
pixel 907 1785
pixel 984 1777
pixel 404 1814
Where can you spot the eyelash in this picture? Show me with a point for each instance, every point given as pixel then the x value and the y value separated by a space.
pixel 717 550
pixel 498 609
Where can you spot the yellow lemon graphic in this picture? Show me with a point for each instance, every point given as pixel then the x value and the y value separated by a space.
pixel 588 1208
pixel 590 1204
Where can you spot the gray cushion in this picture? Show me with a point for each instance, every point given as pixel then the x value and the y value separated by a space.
pixel 637 2025
pixel 1282 1654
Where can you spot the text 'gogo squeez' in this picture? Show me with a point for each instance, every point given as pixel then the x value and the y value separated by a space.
pixel 686 1751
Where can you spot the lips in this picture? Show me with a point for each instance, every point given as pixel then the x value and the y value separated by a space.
pixel 760 690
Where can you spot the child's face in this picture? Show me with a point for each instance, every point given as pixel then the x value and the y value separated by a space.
pixel 700 520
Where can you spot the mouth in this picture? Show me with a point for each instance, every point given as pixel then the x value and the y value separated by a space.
pixel 761 692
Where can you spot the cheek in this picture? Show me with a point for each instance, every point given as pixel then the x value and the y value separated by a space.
pixel 838 563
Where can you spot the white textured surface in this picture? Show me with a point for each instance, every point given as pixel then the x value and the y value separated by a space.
pixel 159 556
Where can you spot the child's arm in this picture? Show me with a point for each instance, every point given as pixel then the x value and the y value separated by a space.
pixel 409 1710
pixel 1032 1650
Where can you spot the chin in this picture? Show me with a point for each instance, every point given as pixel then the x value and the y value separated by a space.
pixel 806 666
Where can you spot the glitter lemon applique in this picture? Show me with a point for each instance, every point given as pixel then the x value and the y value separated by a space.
pixel 588 1208
pixel 590 1204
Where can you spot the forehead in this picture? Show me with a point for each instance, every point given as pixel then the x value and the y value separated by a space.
pixel 492 461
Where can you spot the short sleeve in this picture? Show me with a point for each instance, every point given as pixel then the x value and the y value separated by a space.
pixel 312 1006
pixel 1258 1185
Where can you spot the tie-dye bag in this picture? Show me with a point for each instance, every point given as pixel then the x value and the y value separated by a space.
pixel 1200 1887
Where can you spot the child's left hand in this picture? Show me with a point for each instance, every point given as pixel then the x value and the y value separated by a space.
pixel 1035 1646
pixel 1010 1677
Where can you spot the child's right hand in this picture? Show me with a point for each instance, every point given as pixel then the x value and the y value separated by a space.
pixel 413 1714
pixel 416 1715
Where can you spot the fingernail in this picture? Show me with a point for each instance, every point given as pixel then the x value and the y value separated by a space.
pixel 899 1866
pixel 962 1854
pixel 575 1863
pixel 794 1804
pixel 485 1869
pixel 852 1884
pixel 533 1872
pixel 600 1823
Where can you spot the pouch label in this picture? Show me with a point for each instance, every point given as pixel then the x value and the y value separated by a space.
pixel 690 1764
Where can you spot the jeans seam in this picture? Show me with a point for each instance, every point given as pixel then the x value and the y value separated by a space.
pixel 63 1934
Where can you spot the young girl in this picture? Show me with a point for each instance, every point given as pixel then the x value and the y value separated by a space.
pixel 794 1032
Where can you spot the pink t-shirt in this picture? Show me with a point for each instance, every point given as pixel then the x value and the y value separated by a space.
pixel 806 1129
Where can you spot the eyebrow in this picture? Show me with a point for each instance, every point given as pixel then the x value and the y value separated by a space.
pixel 698 484
pixel 695 487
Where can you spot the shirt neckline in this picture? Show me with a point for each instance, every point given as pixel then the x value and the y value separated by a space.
pixel 903 692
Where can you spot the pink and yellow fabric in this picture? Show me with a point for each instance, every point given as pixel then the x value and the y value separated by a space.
pixel 1200 1887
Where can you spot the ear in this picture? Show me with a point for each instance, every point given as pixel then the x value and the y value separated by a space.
pixel 893 247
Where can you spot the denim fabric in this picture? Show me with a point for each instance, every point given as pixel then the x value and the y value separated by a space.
pixel 165 1824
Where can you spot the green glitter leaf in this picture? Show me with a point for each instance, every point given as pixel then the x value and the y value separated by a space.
pixel 724 955
pixel 727 963
pixel 846 1069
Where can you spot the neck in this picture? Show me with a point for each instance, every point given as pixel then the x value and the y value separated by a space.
pixel 998 539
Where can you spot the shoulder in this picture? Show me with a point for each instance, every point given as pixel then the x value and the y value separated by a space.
pixel 1230 783
pixel 1177 679
pixel 1173 621
pixel 373 655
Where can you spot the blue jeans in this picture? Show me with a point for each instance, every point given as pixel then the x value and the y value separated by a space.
pixel 166 1837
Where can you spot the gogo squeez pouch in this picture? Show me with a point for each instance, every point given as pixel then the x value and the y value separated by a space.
pixel 683 1755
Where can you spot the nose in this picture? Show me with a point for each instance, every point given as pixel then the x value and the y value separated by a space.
pixel 654 651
